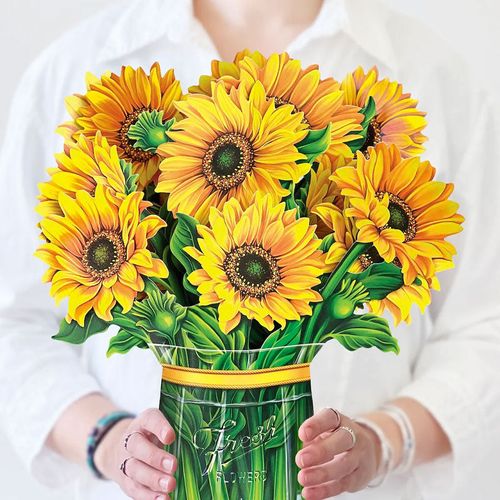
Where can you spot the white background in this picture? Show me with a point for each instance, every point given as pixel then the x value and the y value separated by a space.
pixel 27 26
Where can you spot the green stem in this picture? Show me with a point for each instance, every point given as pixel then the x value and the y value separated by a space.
pixel 331 285
pixel 257 454
pixel 162 282
pixel 190 474
pixel 281 475
pixel 218 487
pixel 339 272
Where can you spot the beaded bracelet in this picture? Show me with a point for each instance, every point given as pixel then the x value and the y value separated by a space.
pixel 102 427
pixel 407 433
pixel 386 461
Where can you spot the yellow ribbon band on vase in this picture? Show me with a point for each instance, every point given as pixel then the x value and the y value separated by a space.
pixel 237 379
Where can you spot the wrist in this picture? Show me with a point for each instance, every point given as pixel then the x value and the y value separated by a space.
pixel 392 433
pixel 376 445
pixel 108 454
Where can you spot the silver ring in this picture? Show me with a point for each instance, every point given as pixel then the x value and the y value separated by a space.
pixel 123 466
pixel 351 433
pixel 125 442
pixel 337 414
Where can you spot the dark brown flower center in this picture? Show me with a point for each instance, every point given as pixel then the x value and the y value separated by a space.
pixel 400 216
pixel 370 257
pixel 132 153
pixel 373 257
pixel 252 270
pixel 228 160
pixel 104 254
pixel 373 136
pixel 281 101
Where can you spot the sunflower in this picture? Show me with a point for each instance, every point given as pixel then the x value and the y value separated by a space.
pixel 97 252
pixel 399 208
pixel 399 301
pixel 321 191
pixel 261 262
pixel 227 72
pixel 321 100
pixel 344 233
pixel 82 166
pixel 115 103
pixel 397 120
pixel 230 145
pixel 286 82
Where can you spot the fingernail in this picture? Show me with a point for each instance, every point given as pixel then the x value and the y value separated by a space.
pixel 164 484
pixel 307 433
pixel 303 457
pixel 168 464
pixel 160 497
pixel 164 435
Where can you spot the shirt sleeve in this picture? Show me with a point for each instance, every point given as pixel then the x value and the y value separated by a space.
pixel 456 374
pixel 39 377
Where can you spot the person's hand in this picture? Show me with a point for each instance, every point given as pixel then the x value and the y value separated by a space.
pixel 329 462
pixel 148 470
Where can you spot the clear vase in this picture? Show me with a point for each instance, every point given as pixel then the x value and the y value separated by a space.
pixel 236 428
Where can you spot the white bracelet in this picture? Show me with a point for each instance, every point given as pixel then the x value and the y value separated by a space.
pixel 407 433
pixel 386 461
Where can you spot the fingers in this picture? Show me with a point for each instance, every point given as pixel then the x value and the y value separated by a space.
pixel 331 489
pixel 342 465
pixel 154 422
pixel 325 449
pixel 138 492
pixel 147 476
pixel 141 448
pixel 323 421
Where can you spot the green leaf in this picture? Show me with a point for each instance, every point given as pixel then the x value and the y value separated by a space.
pixel 76 334
pixel 315 143
pixel 327 242
pixel 369 112
pixel 368 330
pixel 188 286
pixel 123 341
pixel 224 362
pixel 126 321
pixel 380 279
pixel 201 330
pixel 275 351
pixel 130 177
pixel 303 190
pixel 185 235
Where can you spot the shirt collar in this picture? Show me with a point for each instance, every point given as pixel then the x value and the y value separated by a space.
pixel 143 22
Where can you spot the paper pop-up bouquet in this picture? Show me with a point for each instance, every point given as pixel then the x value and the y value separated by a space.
pixel 233 230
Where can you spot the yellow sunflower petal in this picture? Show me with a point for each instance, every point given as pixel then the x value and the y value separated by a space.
pixel 261 250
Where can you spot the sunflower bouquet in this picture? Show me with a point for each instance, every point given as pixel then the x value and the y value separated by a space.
pixel 233 230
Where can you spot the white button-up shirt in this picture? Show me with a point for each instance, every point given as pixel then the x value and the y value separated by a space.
pixel 450 358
